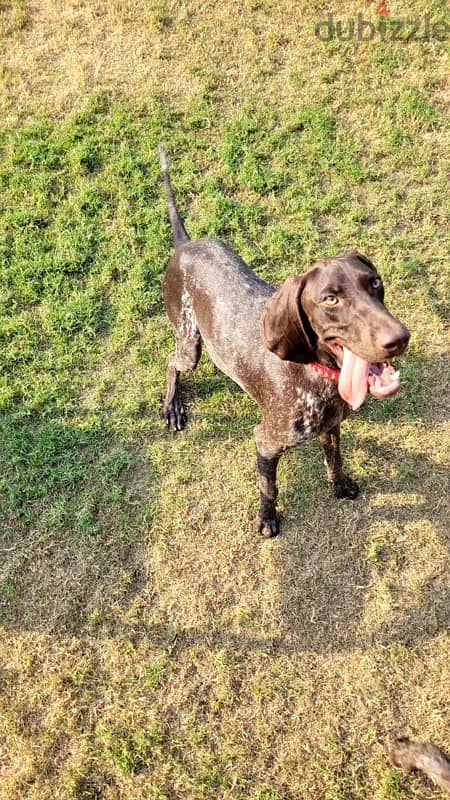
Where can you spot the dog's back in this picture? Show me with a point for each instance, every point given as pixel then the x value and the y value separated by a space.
pixel 224 300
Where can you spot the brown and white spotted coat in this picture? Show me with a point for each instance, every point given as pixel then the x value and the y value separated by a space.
pixel 268 341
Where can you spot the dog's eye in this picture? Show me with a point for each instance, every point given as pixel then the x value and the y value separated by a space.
pixel 330 300
pixel 376 283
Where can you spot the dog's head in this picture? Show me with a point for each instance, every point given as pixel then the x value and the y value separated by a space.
pixel 335 314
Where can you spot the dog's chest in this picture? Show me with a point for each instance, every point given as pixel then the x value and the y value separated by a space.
pixel 317 411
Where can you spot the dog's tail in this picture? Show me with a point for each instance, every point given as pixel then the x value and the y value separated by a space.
pixel 179 231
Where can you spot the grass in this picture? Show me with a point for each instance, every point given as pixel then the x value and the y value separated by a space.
pixel 151 645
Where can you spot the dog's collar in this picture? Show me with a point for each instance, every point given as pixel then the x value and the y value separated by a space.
pixel 325 372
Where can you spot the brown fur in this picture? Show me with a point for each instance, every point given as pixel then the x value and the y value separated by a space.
pixel 422 756
pixel 265 341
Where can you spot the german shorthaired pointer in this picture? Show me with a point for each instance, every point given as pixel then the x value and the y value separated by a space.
pixel 306 353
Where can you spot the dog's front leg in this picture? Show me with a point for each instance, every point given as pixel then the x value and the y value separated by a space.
pixel 343 485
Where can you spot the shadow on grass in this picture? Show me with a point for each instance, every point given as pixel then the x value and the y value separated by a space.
pixel 75 498
pixel 374 571
pixel 350 574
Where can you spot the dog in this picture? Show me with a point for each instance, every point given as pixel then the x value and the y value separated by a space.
pixel 307 353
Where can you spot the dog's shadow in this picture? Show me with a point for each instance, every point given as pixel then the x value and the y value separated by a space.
pixel 352 574
pixel 374 571
pixel 343 574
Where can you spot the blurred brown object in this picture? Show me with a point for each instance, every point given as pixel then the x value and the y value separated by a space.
pixel 423 756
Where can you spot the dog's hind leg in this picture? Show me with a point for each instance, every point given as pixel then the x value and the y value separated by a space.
pixel 188 345
pixel 188 348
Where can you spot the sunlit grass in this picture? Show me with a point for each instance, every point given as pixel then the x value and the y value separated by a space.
pixel 152 645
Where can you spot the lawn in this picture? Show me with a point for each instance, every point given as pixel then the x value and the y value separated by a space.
pixel 152 645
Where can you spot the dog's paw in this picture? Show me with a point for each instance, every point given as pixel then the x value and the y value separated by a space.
pixel 268 526
pixel 174 414
pixel 346 487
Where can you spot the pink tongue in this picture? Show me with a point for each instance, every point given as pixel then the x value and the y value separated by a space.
pixel 353 379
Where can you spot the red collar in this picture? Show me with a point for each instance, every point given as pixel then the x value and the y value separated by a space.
pixel 325 372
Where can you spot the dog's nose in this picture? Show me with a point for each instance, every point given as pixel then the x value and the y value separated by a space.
pixel 395 341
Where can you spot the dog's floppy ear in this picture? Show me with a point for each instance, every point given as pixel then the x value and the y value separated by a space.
pixel 284 324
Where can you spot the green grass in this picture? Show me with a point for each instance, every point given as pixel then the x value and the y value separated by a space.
pixel 84 241
pixel 151 645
